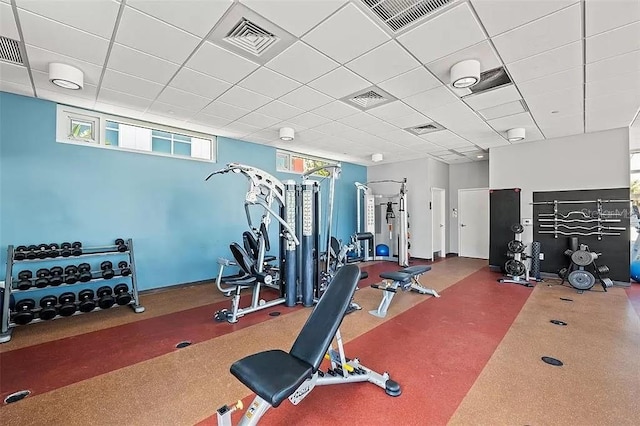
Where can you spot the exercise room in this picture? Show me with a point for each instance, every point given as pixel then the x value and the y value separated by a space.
pixel 319 212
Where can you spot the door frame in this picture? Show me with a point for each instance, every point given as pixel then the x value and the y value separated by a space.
pixel 460 210
pixel 443 247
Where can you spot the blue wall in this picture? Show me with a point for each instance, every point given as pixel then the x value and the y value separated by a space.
pixel 180 225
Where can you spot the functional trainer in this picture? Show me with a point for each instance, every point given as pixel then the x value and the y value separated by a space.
pixel 276 375
pixel 406 279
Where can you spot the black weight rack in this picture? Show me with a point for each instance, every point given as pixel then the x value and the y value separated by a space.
pixel 10 287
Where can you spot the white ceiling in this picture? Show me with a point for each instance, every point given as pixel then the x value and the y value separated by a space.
pixel 576 65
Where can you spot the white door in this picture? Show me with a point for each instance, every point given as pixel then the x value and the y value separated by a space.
pixel 438 229
pixel 473 223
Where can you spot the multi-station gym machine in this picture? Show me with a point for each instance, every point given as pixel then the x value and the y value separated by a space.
pixel 386 222
pixel 302 273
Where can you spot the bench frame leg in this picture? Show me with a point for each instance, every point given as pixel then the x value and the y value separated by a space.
pixel 416 286
pixel 388 292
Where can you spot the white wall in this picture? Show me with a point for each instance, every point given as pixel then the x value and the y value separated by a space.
pixel 422 174
pixel 588 161
pixel 463 176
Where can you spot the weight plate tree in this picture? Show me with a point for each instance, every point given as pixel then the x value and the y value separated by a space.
pixel 37 291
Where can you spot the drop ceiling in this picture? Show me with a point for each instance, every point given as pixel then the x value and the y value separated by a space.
pixel 575 68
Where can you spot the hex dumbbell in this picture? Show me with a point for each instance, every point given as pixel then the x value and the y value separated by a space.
pixel 105 298
pixel 54 250
pixel 107 270
pixel 87 304
pixel 84 271
pixel 20 253
pixel 125 270
pixel 23 311
pixel 24 280
pixel 48 305
pixel 65 249
pixel 120 245
pixel 67 304
pixel 42 279
pixel 76 248
pixel 122 294
pixel 31 252
pixel 71 274
pixel 56 276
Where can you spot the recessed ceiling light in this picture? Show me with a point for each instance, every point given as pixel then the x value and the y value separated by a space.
pixel 376 158
pixel 479 156
pixel 66 76
pixel 287 134
pixel 515 135
pixel 465 74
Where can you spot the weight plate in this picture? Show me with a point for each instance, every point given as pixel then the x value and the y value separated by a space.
pixel 516 246
pixel 581 280
pixel 562 273
pixel 515 268
pixel 582 257
pixel 517 228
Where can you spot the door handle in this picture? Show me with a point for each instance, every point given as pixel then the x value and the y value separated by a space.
pixel 441 226
pixel 463 225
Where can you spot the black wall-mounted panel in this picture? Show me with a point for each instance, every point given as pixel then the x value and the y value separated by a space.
pixel 504 211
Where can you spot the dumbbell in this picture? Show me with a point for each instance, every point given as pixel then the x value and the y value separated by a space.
pixel 20 253
pixel 124 268
pixel 67 304
pixel 71 274
pixel 84 271
pixel 105 298
pixel 42 279
pixel 76 248
pixel 122 247
pixel 48 305
pixel 42 252
pixel 24 280
pixel 54 250
pixel 65 249
pixel 107 270
pixel 24 311
pixel 122 294
pixel 56 276
pixel 31 252
pixel 87 304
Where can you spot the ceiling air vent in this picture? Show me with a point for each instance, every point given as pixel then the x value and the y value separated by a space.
pixel 491 79
pixel 10 51
pixel 368 98
pixel 425 128
pixel 250 37
pixel 397 14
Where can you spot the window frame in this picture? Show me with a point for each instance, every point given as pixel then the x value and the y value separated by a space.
pixel 64 115
pixel 291 154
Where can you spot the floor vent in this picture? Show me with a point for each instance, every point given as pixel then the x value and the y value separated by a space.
pixel 397 14
pixel 368 98
pixel 250 37
pixel 491 79
pixel 425 128
pixel 10 50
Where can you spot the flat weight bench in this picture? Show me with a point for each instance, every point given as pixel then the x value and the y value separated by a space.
pixel 406 279
pixel 276 375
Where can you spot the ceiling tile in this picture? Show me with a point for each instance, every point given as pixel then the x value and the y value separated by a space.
pixel 503 110
pixel 160 39
pixel 59 38
pixel 340 82
pixel 551 62
pixel 409 120
pixel 220 109
pixel 625 103
pixel 612 43
pixel 39 59
pixel 280 110
pixel 547 33
pixel 185 100
pixel 269 83
pixel 65 98
pixel 130 84
pixel 15 74
pixel 209 120
pixel 624 83
pixel 494 97
pixel 431 99
pixel 297 17
pixel 346 35
pixel 259 120
pixel 198 83
pixel 194 16
pixel 410 83
pixel 244 98
pixel 96 16
pixel 612 118
pixel 241 128
pixel 287 123
pixel 8 27
pixel 18 89
pixel 390 110
pixel 309 120
pixel 562 125
pixel 518 120
pixel 552 83
pixel 482 51
pixel 457 114
pixel 499 16
pixel 336 110
pixel 451 31
pixel 217 62
pixel 302 63
pixel 113 97
pixel 566 102
pixel 334 128
pixel 616 65
pixel 368 123
pixel 601 16
pixel 383 62
pixel 140 64
pixel 170 110
pixel 309 135
pixel 41 82
pixel 306 98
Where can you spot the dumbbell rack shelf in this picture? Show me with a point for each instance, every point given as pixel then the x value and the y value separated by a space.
pixel 7 325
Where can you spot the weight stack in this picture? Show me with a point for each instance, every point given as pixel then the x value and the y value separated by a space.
pixel 535 260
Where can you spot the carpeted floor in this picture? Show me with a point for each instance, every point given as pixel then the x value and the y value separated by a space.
pixel 471 356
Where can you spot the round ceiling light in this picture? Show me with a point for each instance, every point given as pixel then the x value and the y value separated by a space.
pixel 66 76
pixel 287 134
pixel 515 135
pixel 465 74
pixel 376 158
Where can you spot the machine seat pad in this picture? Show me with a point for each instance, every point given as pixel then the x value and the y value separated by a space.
pixel 273 375
pixel 238 280
pixel 416 269
pixel 400 277
pixel 364 275
pixel 269 258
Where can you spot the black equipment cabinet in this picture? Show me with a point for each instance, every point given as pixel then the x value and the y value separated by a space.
pixel 504 211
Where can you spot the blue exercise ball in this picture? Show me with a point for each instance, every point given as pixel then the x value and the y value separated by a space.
pixel 635 270
pixel 382 250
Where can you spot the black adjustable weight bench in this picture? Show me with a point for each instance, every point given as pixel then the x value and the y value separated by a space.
pixel 276 375
pixel 406 279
